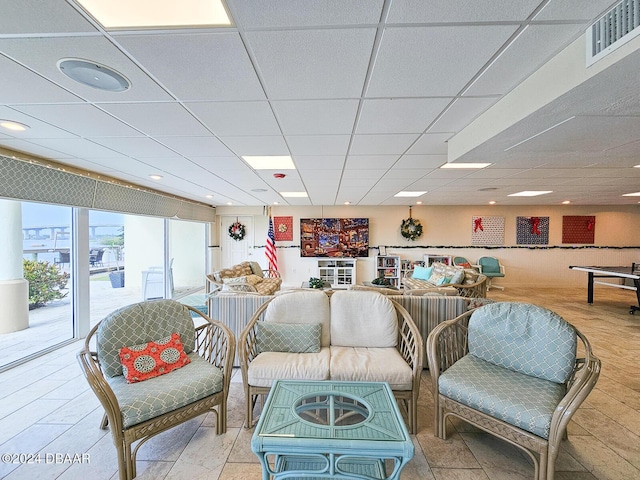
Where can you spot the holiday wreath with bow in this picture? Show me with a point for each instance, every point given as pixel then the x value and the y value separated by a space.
pixel 410 228
pixel 237 231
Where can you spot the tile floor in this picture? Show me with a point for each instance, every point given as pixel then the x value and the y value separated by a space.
pixel 47 407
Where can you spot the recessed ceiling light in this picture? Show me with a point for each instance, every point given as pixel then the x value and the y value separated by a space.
pixel 419 202
pixel 465 165
pixel 636 166
pixel 566 202
pixel 530 193
pixel 152 13
pixel 294 194
pixel 155 177
pixel 347 203
pixel 408 193
pixel 93 75
pixel 270 162
pixel 276 203
pixel 209 196
pixel 13 126
pixel 492 202
pixel 636 194
pixel 229 203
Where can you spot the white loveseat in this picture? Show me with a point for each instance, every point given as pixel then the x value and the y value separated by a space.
pixel 363 336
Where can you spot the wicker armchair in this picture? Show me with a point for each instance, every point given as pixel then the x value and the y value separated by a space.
pixel 246 277
pixel 511 369
pixel 139 411
pixel 475 286
pixel 317 307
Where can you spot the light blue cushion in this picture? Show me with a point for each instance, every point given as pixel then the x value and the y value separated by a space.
pixel 458 277
pixel 142 401
pixel 524 338
pixel 521 400
pixel 288 337
pixel 422 273
pixel 443 281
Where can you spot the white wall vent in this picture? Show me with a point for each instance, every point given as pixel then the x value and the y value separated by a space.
pixel 615 28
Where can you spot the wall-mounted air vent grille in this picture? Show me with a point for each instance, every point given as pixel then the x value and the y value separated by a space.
pixel 613 29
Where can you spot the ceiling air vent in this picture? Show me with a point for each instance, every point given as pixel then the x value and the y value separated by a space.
pixel 615 28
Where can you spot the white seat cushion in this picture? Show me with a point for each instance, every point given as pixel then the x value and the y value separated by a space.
pixel 363 319
pixel 371 365
pixel 270 366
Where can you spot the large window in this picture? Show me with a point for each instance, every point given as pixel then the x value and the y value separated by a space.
pixel 81 265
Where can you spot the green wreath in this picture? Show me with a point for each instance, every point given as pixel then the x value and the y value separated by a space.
pixel 237 231
pixel 411 228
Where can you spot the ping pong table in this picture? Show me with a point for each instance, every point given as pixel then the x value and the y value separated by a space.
pixel 632 273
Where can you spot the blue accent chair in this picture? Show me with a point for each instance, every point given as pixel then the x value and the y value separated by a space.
pixel 490 266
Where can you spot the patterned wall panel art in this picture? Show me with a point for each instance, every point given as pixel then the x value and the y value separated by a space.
pixel 283 229
pixel 532 230
pixel 578 228
pixel 487 230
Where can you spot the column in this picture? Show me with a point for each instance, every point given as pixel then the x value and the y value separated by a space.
pixel 14 289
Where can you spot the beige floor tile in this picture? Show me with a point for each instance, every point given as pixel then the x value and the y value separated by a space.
pixel 450 453
pixel 241 471
pixel 459 474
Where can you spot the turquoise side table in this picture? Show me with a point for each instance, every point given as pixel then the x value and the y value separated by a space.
pixel 327 429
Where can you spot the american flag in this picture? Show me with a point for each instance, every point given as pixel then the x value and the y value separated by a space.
pixel 270 248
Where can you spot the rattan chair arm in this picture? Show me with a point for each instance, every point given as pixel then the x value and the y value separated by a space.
pixel 247 349
pixel 473 290
pixel 410 342
pixel 581 382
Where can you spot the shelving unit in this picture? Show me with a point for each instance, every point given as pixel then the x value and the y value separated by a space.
pixel 340 273
pixel 429 258
pixel 407 266
pixel 388 266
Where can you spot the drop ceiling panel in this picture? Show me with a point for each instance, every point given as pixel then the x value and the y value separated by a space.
pixel 42 55
pixel 301 13
pixel 304 117
pixel 236 118
pixel 362 163
pixel 574 10
pixel 196 146
pixel 157 118
pixel 372 173
pixel 399 115
pixel 77 147
pixel 529 51
pixel 256 145
pixel 317 162
pixel 33 149
pixel 36 16
pixel 37 128
pixel 82 119
pixel 431 144
pixel 455 11
pixel 405 63
pixel 141 147
pixel 461 114
pixel 20 85
pixel 202 66
pixel 421 161
pixel 320 176
pixel 318 144
pixel 214 164
pixel 381 144
pixel 306 64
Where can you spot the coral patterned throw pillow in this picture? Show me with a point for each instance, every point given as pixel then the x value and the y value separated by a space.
pixel 152 359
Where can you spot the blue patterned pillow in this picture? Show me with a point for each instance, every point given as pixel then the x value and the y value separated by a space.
pixel 288 337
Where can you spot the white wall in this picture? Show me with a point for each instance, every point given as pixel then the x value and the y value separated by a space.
pixel 446 226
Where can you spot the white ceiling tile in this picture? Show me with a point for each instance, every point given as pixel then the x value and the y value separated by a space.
pixel 410 174
pixel 317 162
pixel 220 163
pixel 318 144
pixel 529 51
pixel 381 144
pixel 367 162
pixel 196 146
pixel 461 114
pixel 399 115
pixel 157 118
pixel 36 16
pixel 431 144
pixel 574 10
pixel 236 118
pixel 305 117
pixel 405 63
pixel 77 147
pixel 42 55
pixel 371 174
pixel 200 66
pixel 421 161
pixel 305 64
pixel 37 128
pixel 256 145
pixel 82 119
pixel 318 176
pixel 33 149
pixel 455 11
pixel 301 13
pixel 139 147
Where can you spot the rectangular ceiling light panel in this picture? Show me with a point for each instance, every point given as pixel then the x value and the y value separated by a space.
pixel 530 193
pixel 269 162
pixel 409 194
pixel 127 14
pixel 466 165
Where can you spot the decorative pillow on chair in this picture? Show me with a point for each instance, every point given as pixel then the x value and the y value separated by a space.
pixel 152 359
pixel 288 337
pixel 422 273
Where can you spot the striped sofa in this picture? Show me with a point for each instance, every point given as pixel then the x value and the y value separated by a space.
pixel 235 310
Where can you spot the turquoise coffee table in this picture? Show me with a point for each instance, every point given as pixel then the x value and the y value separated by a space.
pixel 327 429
